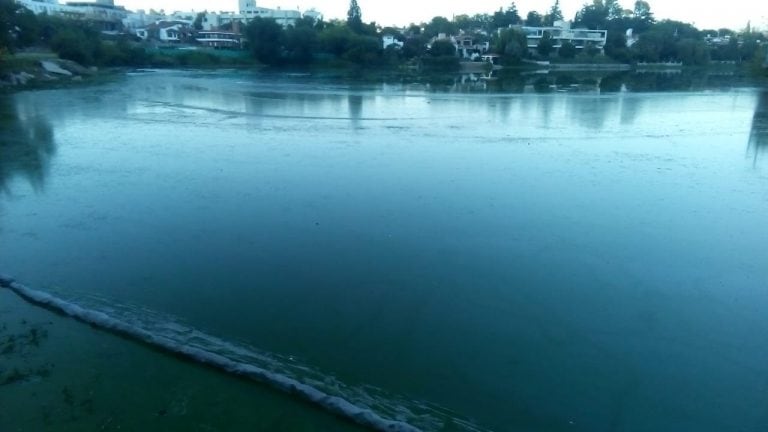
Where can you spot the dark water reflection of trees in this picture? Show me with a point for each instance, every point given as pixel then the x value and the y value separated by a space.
pixel 26 144
pixel 603 82
pixel 758 138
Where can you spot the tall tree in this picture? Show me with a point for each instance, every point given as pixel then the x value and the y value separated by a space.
pixel 592 16
pixel 554 14
pixel 505 18
pixel 512 14
pixel 198 23
pixel 643 12
pixel 440 25
pixel 512 45
pixel 614 9
pixel 8 11
pixel 265 37
pixel 534 19
pixel 546 45
pixel 355 17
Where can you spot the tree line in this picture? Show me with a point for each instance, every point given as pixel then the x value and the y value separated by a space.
pixel 634 35
pixel 357 42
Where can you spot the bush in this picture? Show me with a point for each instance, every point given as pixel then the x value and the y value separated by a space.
pixel 567 50
pixel 442 48
pixel 197 58
pixel 71 44
pixel 441 63
pixel 512 45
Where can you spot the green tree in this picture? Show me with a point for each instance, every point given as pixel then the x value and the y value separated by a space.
pixel 265 38
pixel 355 17
pixel 546 45
pixel 364 50
pixel 8 10
pixel 440 25
pixel 73 44
pixel 591 50
pixel 567 50
pixel 660 42
pixel 512 46
pixel 616 46
pixel 534 19
pixel 19 27
pixel 750 45
pixel 441 57
pixel 615 11
pixel 692 52
pixel 415 46
pixel 198 23
pixel 505 18
pixel 642 17
pixel 728 51
pixel 300 44
pixel 555 14
pixel 442 48
pixel 592 16
pixel 336 39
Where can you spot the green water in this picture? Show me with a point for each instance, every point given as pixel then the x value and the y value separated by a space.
pixel 572 260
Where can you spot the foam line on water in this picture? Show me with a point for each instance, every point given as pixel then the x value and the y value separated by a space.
pixel 334 404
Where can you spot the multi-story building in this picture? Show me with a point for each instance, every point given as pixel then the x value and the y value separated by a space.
pixel 103 12
pixel 249 10
pixel 562 32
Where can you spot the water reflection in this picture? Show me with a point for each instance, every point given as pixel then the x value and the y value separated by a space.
pixel 758 138
pixel 511 81
pixel 26 143
pixel 355 105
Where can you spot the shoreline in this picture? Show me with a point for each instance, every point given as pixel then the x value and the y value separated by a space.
pixel 46 71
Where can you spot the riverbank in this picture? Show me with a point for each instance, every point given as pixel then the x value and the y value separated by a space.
pixel 41 70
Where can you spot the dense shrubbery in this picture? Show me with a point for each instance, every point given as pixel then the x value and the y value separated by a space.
pixel 300 44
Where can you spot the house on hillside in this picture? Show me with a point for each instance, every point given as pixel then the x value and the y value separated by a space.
pixel 561 32
pixel 467 47
pixel 172 31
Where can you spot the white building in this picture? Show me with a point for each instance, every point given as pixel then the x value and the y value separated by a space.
pixel 141 19
pixel 171 32
pixel 104 12
pixel 561 32
pixel 249 10
pixel 38 7
pixel 391 41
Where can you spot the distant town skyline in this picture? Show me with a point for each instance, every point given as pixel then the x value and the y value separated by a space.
pixel 734 14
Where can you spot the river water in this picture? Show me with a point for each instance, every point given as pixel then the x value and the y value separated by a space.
pixel 549 255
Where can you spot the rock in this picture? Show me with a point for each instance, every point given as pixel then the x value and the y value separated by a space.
pixel 21 78
pixel 54 68
pixel 73 67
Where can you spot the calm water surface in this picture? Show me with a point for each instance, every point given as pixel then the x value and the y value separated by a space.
pixel 570 261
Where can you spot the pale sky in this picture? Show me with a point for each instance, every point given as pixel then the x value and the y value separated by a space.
pixel 704 14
